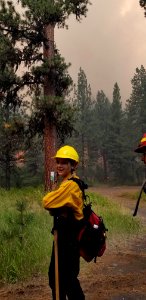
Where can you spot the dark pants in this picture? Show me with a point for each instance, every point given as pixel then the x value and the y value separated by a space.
pixel 68 260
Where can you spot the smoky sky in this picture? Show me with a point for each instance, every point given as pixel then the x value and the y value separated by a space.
pixel 109 44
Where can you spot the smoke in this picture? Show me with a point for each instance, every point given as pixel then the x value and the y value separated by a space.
pixel 108 45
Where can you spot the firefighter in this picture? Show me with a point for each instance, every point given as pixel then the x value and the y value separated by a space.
pixel 142 148
pixel 66 204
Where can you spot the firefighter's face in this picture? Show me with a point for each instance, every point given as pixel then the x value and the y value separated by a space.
pixel 63 167
pixel 144 157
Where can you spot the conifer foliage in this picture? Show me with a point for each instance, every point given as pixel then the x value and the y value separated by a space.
pixel 143 4
pixel 111 132
pixel 24 68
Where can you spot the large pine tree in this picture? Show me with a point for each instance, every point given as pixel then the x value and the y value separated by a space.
pixel 100 134
pixel 23 34
pixel 116 142
pixel 82 134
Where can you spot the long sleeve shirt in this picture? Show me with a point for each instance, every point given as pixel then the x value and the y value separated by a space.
pixel 67 195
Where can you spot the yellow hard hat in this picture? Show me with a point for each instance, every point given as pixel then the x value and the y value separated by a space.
pixel 67 152
pixel 142 146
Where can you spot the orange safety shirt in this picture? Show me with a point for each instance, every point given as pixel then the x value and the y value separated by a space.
pixel 67 195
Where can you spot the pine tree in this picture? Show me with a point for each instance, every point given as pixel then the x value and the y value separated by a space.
pixel 25 36
pixel 116 140
pixel 135 122
pixel 100 134
pixel 12 141
pixel 11 120
pixel 83 105
pixel 143 4
pixel 138 99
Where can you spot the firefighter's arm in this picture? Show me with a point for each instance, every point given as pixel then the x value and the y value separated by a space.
pixel 68 194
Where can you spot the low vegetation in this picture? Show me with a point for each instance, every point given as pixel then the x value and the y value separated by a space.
pixel 25 231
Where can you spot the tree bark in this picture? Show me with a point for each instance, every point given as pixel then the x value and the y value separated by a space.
pixel 105 165
pixel 50 129
pixel 7 171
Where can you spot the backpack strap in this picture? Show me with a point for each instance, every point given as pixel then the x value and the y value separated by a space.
pixel 82 185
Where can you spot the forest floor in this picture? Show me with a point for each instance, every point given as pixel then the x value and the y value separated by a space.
pixel 120 274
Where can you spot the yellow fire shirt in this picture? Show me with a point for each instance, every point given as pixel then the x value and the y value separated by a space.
pixel 68 195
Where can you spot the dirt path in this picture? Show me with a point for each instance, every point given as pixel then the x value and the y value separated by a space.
pixel 119 275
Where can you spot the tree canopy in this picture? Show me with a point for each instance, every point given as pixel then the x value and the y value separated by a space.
pixel 143 4
pixel 24 68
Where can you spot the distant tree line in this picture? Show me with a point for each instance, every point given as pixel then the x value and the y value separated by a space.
pixel 106 134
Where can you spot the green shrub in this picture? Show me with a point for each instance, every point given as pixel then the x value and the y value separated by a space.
pixel 25 230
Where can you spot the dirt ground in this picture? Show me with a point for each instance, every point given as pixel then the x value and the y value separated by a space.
pixel 120 274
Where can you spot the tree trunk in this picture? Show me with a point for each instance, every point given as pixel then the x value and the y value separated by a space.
pixel 7 171
pixel 50 149
pixel 7 154
pixel 104 165
pixel 50 129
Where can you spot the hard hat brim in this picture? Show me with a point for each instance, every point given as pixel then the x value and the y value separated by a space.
pixel 140 149
pixel 67 157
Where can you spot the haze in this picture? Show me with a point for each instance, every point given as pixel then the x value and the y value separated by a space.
pixel 109 44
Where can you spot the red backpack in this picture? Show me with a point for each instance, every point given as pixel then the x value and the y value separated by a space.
pixel 92 234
